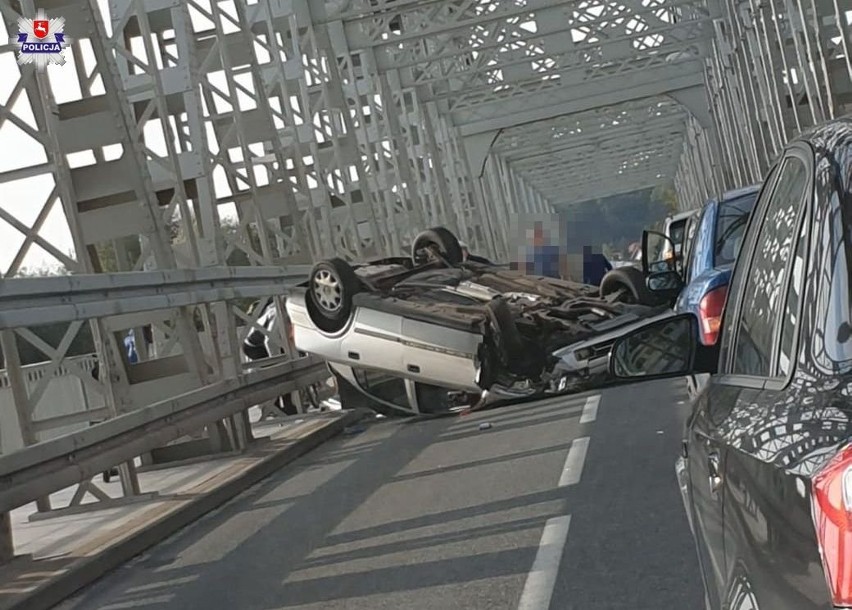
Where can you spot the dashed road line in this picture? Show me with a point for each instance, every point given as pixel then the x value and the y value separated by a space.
pixel 541 580
pixel 574 462
pixel 590 409
pixel 538 589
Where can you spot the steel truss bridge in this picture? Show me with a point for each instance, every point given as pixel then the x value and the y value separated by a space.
pixel 180 136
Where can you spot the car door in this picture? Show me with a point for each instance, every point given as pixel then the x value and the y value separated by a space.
pixel 735 401
pixel 705 447
pixel 705 464
pixel 769 537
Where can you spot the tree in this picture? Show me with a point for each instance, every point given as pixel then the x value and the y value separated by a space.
pixel 616 221
pixel 248 237
pixel 666 194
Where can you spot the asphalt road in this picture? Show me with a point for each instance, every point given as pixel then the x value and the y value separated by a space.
pixel 568 504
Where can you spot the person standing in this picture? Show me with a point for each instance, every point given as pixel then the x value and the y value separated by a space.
pixel 595 266
pixel 546 259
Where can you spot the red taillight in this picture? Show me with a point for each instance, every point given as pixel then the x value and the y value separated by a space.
pixel 832 512
pixel 710 314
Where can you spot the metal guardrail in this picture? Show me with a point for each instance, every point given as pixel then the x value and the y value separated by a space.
pixel 33 301
pixel 41 468
pixel 49 466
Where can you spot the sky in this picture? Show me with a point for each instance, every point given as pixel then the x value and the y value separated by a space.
pixel 24 198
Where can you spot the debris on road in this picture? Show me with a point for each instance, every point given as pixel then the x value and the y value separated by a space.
pixel 485 426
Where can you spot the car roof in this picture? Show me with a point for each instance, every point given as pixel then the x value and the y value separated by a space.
pixel 829 139
pixel 829 134
pixel 680 216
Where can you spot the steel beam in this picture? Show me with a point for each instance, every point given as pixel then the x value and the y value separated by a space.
pixel 52 465
pixel 30 301
pixel 550 104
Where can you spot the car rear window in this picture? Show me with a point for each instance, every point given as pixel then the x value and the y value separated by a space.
pixel 730 228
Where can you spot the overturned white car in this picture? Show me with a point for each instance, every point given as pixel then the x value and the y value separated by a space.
pixel 423 334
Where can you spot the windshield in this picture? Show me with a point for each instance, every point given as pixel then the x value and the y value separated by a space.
pixel 730 228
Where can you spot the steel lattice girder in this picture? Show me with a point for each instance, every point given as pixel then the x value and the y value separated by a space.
pixel 476 53
pixel 609 122
pixel 560 177
pixel 579 185
pixel 495 65
pixel 565 156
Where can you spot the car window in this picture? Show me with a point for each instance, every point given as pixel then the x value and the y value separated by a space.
pixel 686 248
pixel 383 386
pixel 832 343
pixel 761 300
pixel 701 244
pixel 731 223
pixel 790 322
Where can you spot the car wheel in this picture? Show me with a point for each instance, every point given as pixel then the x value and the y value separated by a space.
pixel 332 285
pixel 631 282
pixel 440 239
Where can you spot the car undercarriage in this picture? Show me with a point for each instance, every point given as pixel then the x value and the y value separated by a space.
pixel 512 325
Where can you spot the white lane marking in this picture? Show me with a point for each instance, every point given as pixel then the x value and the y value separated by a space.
pixel 538 589
pixel 590 409
pixel 574 462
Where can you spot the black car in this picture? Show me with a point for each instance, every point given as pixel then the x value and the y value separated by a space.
pixel 766 471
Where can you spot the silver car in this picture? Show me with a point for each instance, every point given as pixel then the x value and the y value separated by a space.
pixel 437 328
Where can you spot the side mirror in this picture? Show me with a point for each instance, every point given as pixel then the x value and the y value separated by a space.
pixel 658 253
pixel 666 284
pixel 658 350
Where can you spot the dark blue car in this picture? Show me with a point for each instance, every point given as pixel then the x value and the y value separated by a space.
pixel 710 256
pixel 710 259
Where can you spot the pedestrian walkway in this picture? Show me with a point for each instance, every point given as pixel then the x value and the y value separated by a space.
pixel 58 554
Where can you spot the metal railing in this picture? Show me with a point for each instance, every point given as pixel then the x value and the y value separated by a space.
pixel 50 466
pixel 184 389
pixel 32 301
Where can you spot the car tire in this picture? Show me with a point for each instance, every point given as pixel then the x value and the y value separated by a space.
pixel 509 339
pixel 332 285
pixel 630 280
pixel 518 355
pixel 443 240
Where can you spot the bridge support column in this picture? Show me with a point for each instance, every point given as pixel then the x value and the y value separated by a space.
pixel 20 396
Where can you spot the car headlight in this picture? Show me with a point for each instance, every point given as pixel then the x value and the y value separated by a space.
pixel 584 353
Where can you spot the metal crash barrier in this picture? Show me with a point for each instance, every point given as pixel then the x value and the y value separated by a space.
pixel 169 367
pixel 41 469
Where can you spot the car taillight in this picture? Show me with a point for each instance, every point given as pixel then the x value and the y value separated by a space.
pixel 831 491
pixel 710 314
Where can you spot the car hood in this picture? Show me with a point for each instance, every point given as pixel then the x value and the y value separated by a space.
pixel 711 279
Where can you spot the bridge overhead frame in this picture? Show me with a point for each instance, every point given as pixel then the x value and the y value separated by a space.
pixel 776 68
